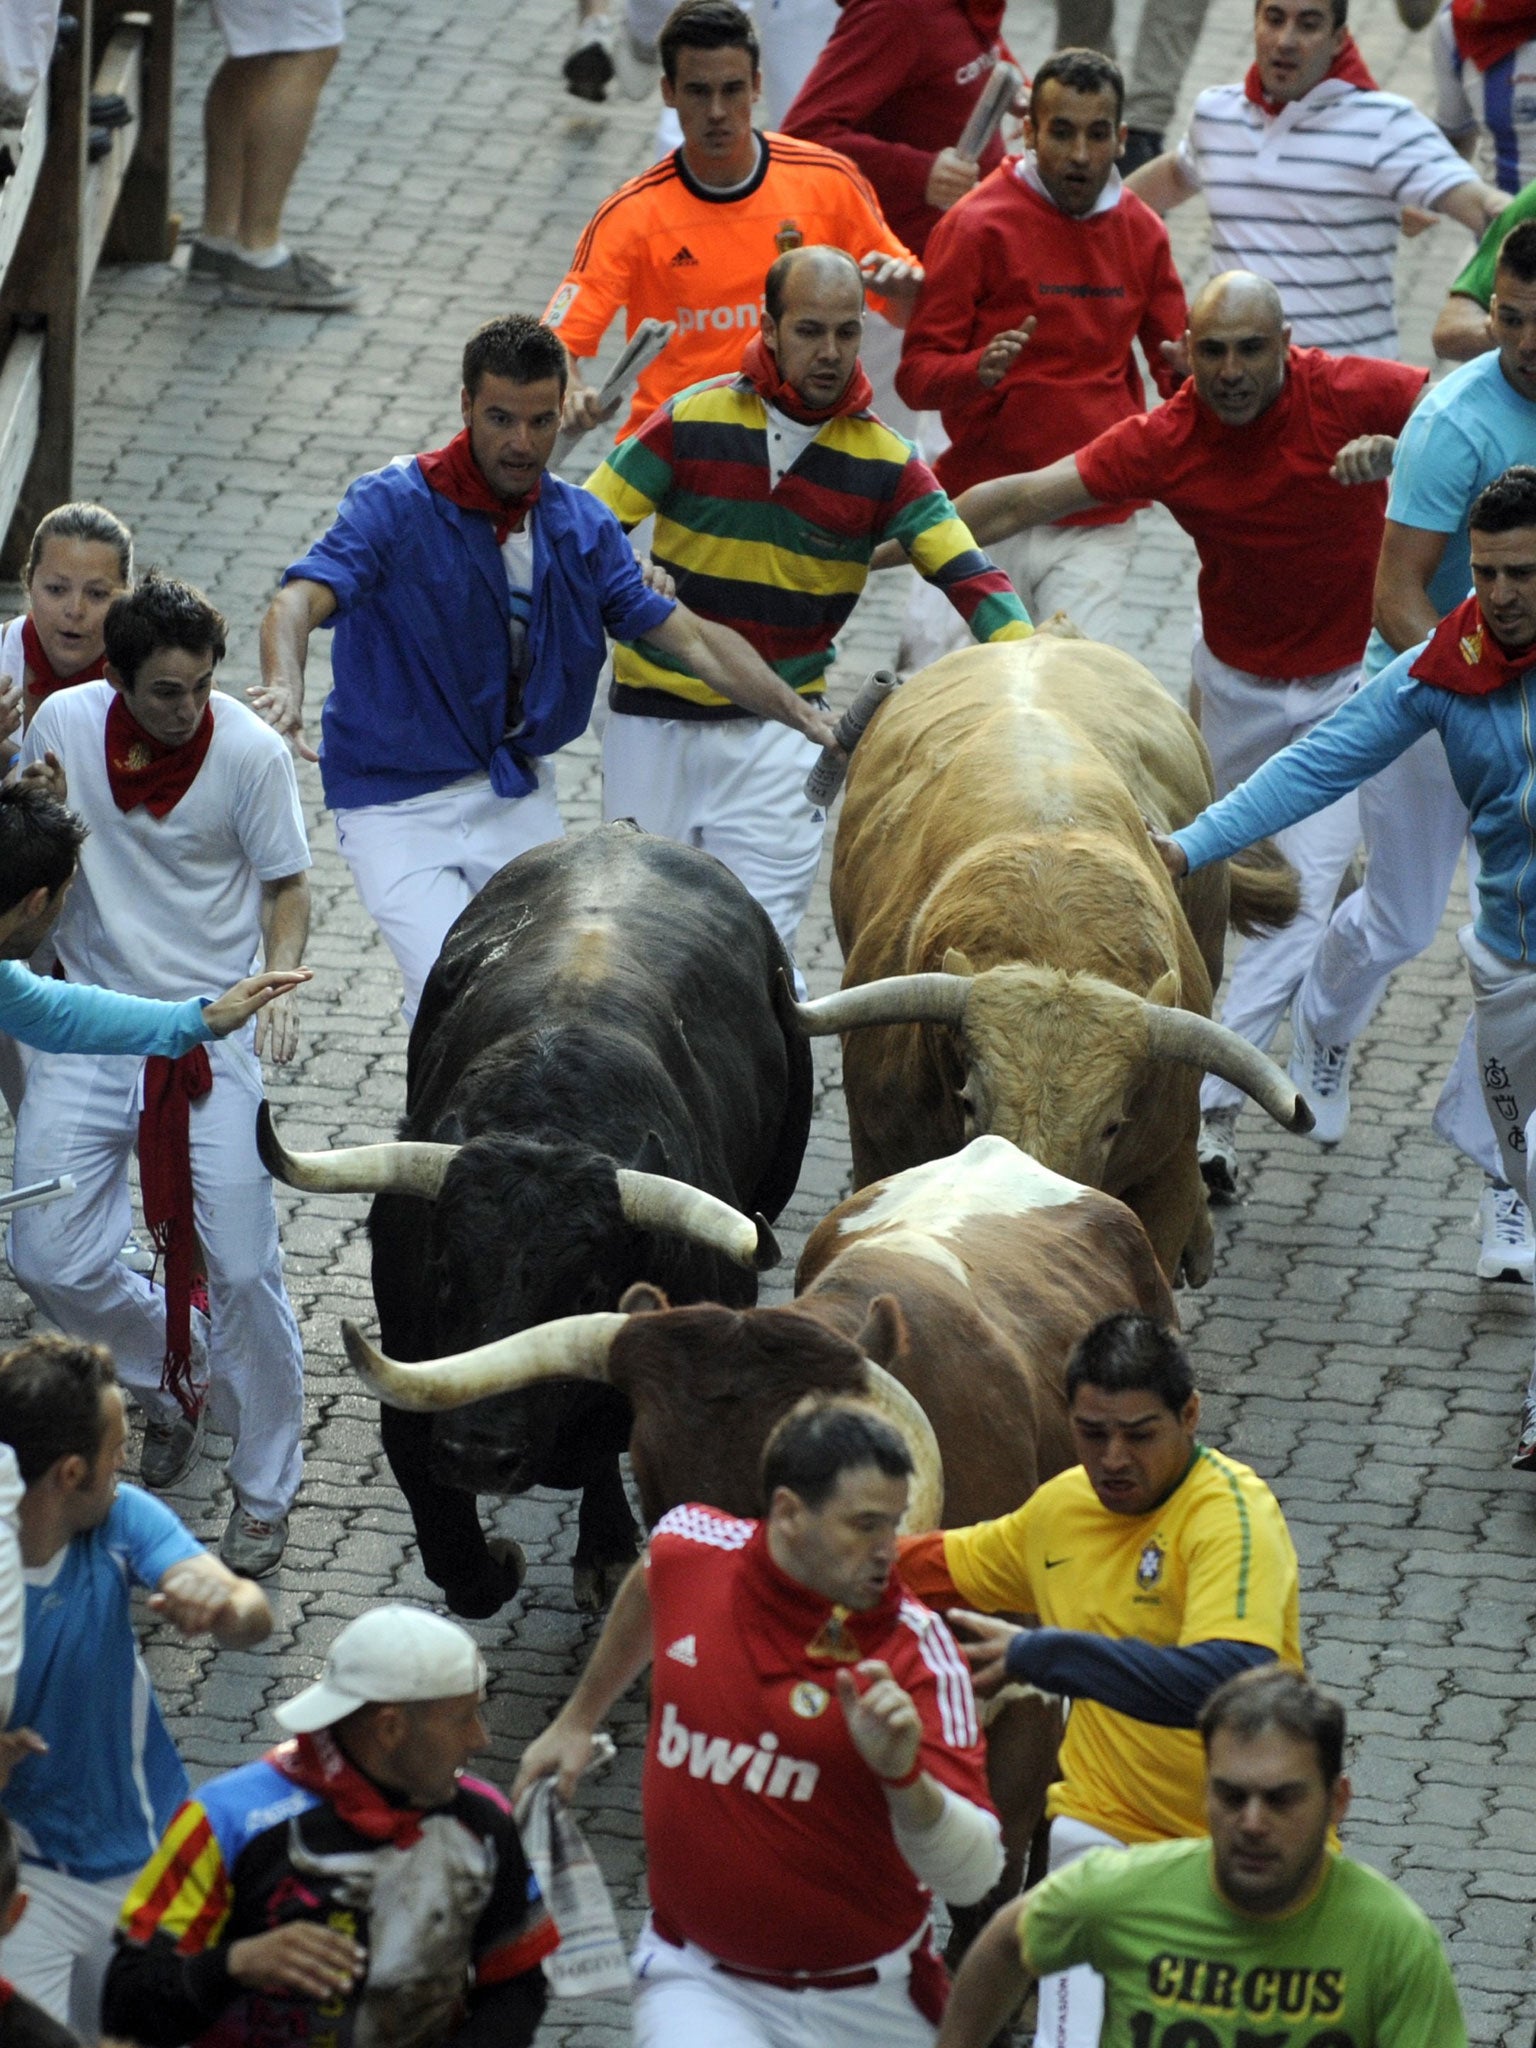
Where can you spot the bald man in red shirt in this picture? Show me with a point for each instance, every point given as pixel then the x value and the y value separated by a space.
pixel 1273 460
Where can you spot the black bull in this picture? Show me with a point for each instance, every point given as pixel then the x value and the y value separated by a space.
pixel 616 1000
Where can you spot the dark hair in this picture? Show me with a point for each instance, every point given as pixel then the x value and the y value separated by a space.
pixel 160 612
pixel 776 284
pixel 1509 501
pixel 1340 11
pixel 10 1863
pixel 1131 1354
pixel 515 346
pixel 39 843
pixel 706 25
pixel 822 1437
pixel 82 521
pixel 1517 253
pixel 1079 71
pixel 50 1401
pixel 1278 1696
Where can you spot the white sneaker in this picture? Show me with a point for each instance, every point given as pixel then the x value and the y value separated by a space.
pixel 1217 1154
pixel 1508 1251
pixel 1321 1072
pixel 1524 1459
pixel 588 65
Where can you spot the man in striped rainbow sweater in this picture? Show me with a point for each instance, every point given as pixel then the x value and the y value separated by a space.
pixel 771 491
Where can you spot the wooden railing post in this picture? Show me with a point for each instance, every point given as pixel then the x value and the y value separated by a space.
pixel 142 228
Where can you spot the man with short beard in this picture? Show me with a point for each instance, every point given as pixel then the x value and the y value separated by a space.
pixel 1263 1933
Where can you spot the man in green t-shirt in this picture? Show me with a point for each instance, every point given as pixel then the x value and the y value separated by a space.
pixel 1262 1937
pixel 1462 330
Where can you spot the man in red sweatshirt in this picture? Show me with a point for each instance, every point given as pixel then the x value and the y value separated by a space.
pixel 1038 285
pixel 893 89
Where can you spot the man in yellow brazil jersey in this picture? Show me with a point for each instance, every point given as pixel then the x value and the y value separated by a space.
pixel 1262 1937
pixel 1158 1569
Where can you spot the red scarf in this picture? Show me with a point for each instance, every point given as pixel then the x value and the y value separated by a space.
pixel 165 1182
pixel 43 677
pixel 1488 31
pixel 320 1764
pixel 455 475
pixel 1463 656
pixel 142 770
pixel 761 370
pixel 1348 65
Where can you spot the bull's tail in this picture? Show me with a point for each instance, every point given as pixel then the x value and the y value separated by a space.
pixel 1266 894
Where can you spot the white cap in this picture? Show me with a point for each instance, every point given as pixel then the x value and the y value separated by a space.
pixel 388 1655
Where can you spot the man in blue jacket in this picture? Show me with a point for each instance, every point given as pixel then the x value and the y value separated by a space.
pixel 1474 682
pixel 472 594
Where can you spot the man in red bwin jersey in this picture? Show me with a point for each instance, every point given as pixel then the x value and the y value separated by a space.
pixel 813 1769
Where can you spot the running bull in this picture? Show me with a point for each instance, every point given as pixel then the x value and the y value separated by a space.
pixel 605 1084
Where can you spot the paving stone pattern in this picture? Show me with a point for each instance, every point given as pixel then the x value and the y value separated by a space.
pixel 1344 1346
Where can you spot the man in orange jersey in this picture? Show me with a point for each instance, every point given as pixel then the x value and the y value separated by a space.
pixel 691 239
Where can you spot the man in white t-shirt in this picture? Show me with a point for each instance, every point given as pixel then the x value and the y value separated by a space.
pixel 194 866
pixel 1307 170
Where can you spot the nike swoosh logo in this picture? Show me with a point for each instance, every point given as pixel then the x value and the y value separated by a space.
pixel 1052 1562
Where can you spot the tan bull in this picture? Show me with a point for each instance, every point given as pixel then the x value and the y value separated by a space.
pixel 1002 912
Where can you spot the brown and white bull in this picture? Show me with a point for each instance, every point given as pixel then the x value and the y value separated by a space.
pixel 1002 912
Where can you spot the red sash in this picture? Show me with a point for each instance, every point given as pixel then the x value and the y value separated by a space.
pixel 165 1182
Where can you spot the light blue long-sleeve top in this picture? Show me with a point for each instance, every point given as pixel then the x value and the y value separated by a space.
pixel 1490 743
pixel 67 1016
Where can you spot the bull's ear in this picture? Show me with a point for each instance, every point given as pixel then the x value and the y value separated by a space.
pixel 652 1157
pixel 956 962
pixel 1165 990
pixel 884 1335
pixel 642 1299
pixel 451 1130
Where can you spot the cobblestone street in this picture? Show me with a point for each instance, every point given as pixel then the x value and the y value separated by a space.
pixel 1345 1346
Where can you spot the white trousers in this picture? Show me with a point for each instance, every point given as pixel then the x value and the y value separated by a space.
pixel 683 2001
pixel 28 29
pixel 1079 570
pixel 1071 2008
pixel 1243 721
pixel 1414 826
pixel 80 1116
pixel 57 1953
pixel 418 863
pixel 1504 1012
pixel 736 789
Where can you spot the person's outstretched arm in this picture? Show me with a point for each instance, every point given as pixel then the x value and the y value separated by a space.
pixel 67 1016
pixel 991 1984
pixel 623 1651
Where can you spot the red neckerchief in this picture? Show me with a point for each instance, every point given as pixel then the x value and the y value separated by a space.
pixel 1488 31
pixel 761 371
pixel 42 677
pixel 791 1625
pixel 319 1763
pixel 165 1183
pixel 143 770
pixel 1463 656
pixel 455 475
pixel 1348 65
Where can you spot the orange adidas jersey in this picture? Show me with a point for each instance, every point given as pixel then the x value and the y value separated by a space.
pixel 665 248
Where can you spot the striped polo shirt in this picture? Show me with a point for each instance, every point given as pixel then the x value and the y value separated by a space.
pixel 1311 198
pixel 782 563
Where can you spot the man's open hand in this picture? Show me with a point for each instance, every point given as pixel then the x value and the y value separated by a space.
pixel 303 1957
pixel 282 706
pixel 886 1727
pixel 1003 351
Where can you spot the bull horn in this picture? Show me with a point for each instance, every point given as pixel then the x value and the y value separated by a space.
pixel 573 1348
pixel 404 1167
pixel 899 999
pixel 904 1412
pixel 654 1201
pixel 1202 1042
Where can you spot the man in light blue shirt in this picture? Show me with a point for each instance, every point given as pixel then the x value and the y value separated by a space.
pixel 1464 433
pixel 1472 684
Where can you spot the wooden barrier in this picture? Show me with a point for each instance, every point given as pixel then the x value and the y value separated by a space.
pixel 59 215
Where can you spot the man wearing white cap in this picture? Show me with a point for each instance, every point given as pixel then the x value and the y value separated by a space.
pixel 352 1884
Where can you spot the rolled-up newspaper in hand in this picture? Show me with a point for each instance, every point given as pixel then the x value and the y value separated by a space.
pixel 635 358
pixel 997 96
pixel 826 778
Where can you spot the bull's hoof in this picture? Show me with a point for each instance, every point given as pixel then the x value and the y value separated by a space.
pixel 479 1598
pixel 594 1585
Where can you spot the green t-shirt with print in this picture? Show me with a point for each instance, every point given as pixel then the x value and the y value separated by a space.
pixel 1476 281
pixel 1358 1966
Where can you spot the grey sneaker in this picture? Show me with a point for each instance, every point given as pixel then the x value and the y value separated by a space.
pixel 250 1546
pixel 1321 1072
pixel 1217 1154
pixel 170 1449
pixel 588 65
pixel 301 285
pixel 209 265
pixel 1506 1251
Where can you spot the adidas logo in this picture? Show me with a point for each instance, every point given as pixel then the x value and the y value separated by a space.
pixel 685 1651
pixel 685 259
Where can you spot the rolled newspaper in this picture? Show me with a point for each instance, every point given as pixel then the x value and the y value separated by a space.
pixel 635 358
pixel 826 778
pixel 997 96
pixel 36 1192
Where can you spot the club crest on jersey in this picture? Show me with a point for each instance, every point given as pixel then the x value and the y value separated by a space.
pixel 834 1642
pixel 1149 1567
pixel 561 304
pixel 789 237
pixel 808 1699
